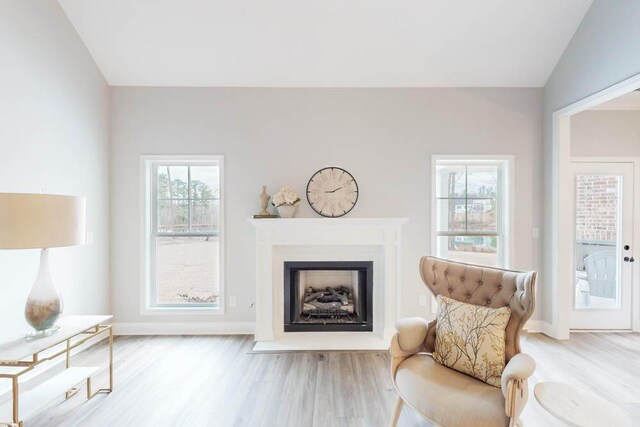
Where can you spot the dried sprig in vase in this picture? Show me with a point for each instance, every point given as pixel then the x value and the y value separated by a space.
pixel 44 304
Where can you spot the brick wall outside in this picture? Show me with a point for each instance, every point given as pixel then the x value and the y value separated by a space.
pixel 596 205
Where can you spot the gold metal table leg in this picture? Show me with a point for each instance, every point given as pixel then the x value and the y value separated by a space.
pixel 68 364
pixel 110 359
pixel 14 388
pixel 69 394
pixel 90 393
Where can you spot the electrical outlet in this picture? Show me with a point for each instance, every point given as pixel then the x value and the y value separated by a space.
pixel 423 300
pixel 233 301
pixel 89 237
pixel 535 233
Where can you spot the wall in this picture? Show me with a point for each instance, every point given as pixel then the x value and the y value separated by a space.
pixel 54 136
pixel 602 52
pixel 605 133
pixel 276 137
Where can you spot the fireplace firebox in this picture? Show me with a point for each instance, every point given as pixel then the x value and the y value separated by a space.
pixel 328 296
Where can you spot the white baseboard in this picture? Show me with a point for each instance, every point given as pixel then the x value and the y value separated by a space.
pixel 240 328
pixel 539 326
pixel 184 328
pixel 328 341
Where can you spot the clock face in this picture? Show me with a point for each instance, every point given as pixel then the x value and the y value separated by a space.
pixel 332 192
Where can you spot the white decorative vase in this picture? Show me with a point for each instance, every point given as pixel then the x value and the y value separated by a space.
pixel 287 211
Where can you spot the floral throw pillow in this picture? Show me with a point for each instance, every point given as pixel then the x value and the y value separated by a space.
pixel 470 339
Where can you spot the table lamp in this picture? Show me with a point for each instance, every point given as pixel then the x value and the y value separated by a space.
pixel 42 221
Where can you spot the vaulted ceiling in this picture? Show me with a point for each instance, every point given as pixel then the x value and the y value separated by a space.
pixel 326 43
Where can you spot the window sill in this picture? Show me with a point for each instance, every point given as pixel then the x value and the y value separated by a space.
pixel 182 311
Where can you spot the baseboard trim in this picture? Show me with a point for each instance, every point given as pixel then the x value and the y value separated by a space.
pixel 323 341
pixel 539 326
pixel 184 328
pixel 240 328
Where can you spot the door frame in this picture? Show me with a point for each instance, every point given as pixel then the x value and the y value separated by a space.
pixel 559 243
pixel 634 162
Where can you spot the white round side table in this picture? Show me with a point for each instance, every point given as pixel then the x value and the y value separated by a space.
pixel 578 407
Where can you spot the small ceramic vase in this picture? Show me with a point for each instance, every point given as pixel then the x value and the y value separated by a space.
pixel 287 211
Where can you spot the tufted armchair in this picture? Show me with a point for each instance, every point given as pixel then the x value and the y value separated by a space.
pixel 447 397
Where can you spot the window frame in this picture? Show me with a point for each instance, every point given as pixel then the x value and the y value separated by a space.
pixel 504 202
pixel 148 209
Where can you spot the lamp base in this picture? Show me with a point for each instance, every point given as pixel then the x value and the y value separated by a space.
pixel 44 303
pixel 36 335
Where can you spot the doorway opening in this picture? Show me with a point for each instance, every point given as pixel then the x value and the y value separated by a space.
pixel 595 204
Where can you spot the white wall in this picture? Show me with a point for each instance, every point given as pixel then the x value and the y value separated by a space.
pixel 603 52
pixel 605 133
pixel 53 136
pixel 384 137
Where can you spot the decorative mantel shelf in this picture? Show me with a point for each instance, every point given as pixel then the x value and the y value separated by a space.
pixel 326 239
pixel 328 222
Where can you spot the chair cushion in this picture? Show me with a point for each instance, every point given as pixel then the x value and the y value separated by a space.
pixel 448 397
pixel 470 339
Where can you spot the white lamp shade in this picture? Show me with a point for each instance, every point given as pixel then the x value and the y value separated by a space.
pixel 29 221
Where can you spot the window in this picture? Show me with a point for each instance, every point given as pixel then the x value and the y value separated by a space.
pixel 471 210
pixel 183 233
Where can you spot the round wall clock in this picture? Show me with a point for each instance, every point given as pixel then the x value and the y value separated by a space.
pixel 332 192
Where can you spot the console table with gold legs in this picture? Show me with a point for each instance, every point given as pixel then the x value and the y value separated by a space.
pixel 20 357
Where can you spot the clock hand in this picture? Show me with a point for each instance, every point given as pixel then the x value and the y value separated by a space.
pixel 333 191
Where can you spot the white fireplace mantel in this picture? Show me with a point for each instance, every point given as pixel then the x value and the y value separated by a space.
pixel 302 239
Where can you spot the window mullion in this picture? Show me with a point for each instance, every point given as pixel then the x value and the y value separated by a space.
pixel 466 198
pixel 154 199
pixel 188 199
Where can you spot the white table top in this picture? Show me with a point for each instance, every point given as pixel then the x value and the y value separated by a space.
pixel 578 407
pixel 20 349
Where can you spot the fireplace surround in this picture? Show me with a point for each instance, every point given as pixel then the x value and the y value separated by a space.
pixel 326 239
pixel 328 296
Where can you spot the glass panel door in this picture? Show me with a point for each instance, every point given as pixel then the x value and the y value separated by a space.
pixel 602 253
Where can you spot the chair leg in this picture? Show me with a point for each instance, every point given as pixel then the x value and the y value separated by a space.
pixel 396 412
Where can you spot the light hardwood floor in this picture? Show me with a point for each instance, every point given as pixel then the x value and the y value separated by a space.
pixel 217 381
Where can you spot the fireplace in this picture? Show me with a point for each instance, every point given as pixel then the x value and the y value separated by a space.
pixel 328 296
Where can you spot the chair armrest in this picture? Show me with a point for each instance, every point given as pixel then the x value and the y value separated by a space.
pixel 412 332
pixel 409 340
pixel 514 386
pixel 520 367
